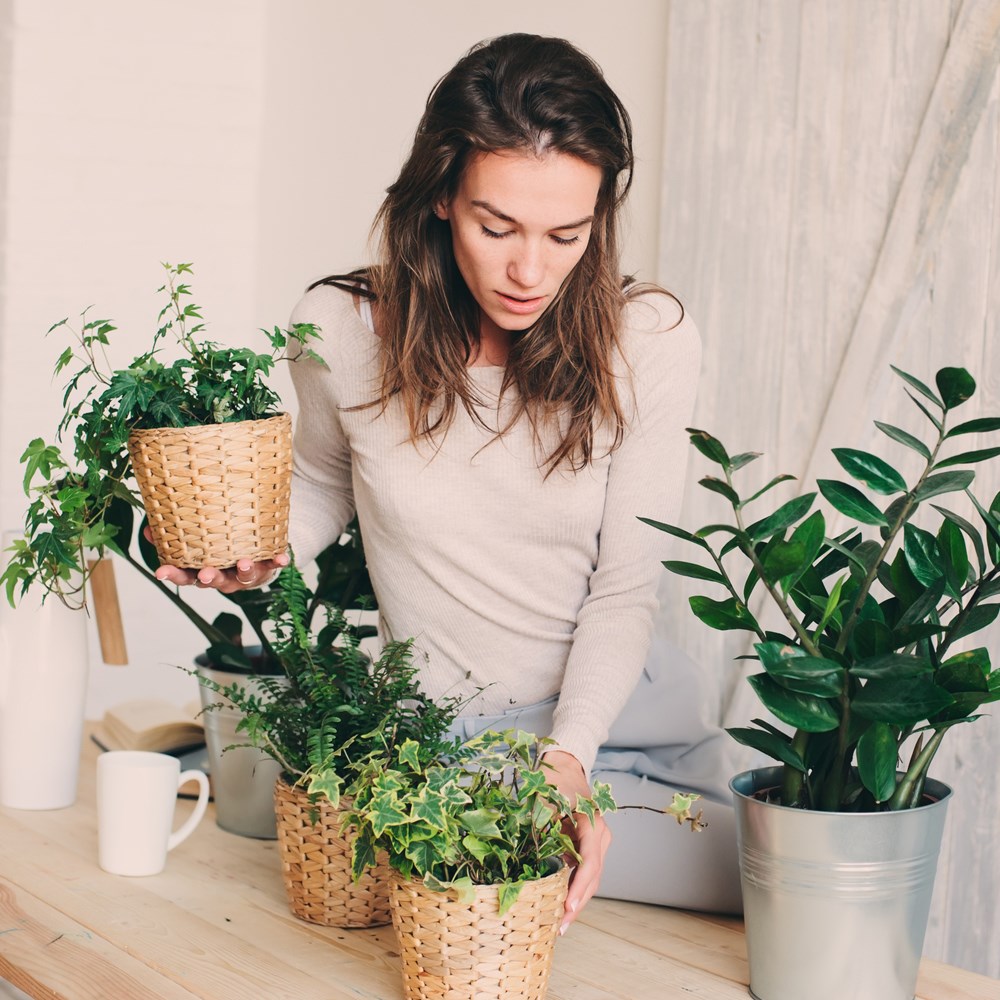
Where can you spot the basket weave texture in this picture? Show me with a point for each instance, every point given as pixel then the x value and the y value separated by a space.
pixel 466 951
pixel 316 865
pixel 218 492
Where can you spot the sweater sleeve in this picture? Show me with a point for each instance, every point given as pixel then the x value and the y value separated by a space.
pixel 322 496
pixel 645 478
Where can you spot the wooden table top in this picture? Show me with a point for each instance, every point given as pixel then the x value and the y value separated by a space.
pixel 215 924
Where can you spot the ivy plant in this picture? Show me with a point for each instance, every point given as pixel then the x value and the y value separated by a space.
pixel 483 814
pixel 80 487
pixel 864 666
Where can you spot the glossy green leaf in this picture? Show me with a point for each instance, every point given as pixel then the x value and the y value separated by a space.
pixel 872 638
pixel 954 556
pixel 871 470
pixel 744 458
pixel 891 666
pixel 778 746
pixel 922 554
pixel 764 489
pixel 878 760
pixel 970 531
pixel 694 571
pixel 712 448
pixel 968 457
pixel 798 671
pixel 918 385
pixel 992 523
pixel 927 413
pixel 784 517
pixel 805 712
pixel 955 385
pixel 905 438
pixel 720 486
pixel 671 529
pixel 924 605
pixel 981 425
pixel 810 535
pixel 974 620
pixel 944 482
pixel 723 615
pixel 956 675
pixel 851 501
pixel 784 558
pixel 900 702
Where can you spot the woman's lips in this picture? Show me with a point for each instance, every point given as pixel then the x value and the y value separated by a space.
pixel 521 306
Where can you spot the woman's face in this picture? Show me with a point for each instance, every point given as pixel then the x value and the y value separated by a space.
pixel 519 224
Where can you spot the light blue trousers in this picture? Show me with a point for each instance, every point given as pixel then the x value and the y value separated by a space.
pixel 664 740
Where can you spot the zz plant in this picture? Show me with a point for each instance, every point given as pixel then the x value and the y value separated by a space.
pixel 864 668
pixel 84 500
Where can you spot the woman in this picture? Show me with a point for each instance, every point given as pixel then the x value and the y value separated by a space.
pixel 499 410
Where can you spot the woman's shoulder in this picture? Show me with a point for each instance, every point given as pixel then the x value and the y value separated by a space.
pixel 328 301
pixel 657 329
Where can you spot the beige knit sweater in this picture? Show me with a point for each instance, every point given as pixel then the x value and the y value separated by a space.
pixel 508 581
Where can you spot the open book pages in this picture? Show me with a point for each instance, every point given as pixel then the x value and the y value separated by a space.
pixel 150 724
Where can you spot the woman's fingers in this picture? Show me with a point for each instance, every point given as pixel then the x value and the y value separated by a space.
pixel 245 575
pixel 592 842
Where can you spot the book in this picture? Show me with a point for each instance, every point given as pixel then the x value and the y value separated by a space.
pixel 150 724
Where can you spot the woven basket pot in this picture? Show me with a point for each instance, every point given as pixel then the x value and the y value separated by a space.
pixel 216 493
pixel 316 865
pixel 458 951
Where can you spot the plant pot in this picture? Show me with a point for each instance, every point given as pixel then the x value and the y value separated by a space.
pixel 835 904
pixel 452 950
pixel 242 778
pixel 316 864
pixel 216 493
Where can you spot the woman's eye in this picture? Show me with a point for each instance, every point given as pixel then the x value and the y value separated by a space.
pixel 492 234
pixel 563 242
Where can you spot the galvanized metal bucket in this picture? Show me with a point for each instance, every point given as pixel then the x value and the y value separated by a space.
pixel 835 904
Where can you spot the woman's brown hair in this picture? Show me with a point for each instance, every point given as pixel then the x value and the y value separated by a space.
pixel 536 95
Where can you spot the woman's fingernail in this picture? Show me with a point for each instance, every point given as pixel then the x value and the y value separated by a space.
pixel 573 906
pixel 562 930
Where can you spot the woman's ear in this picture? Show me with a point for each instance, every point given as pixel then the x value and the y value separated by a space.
pixel 441 210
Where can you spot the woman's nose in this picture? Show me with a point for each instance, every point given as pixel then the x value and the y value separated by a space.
pixel 526 267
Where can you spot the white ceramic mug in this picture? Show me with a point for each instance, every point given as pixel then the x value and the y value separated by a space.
pixel 136 797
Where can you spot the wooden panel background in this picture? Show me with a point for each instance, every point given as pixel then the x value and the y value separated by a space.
pixel 831 206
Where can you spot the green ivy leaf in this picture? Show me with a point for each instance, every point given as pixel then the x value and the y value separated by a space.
pixel 481 822
pixel 871 470
pixel 507 895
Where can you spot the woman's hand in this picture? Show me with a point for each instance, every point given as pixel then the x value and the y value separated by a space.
pixel 245 575
pixel 590 839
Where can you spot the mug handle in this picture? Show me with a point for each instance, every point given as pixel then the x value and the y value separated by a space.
pixel 193 820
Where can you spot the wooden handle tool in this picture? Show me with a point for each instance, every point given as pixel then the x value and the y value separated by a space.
pixel 107 612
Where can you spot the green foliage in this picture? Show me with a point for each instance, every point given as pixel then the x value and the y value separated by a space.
pixel 863 664
pixel 332 707
pixel 83 498
pixel 484 815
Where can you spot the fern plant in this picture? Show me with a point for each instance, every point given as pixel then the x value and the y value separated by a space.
pixel 332 706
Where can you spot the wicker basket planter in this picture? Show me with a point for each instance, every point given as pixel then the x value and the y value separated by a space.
pixel 316 865
pixel 454 951
pixel 218 492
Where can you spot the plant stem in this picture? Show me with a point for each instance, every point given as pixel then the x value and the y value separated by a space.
pixel 912 782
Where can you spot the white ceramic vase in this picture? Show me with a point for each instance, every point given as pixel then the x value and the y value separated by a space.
pixel 43 687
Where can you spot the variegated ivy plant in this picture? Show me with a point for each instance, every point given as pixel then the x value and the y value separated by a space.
pixel 865 669
pixel 485 815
